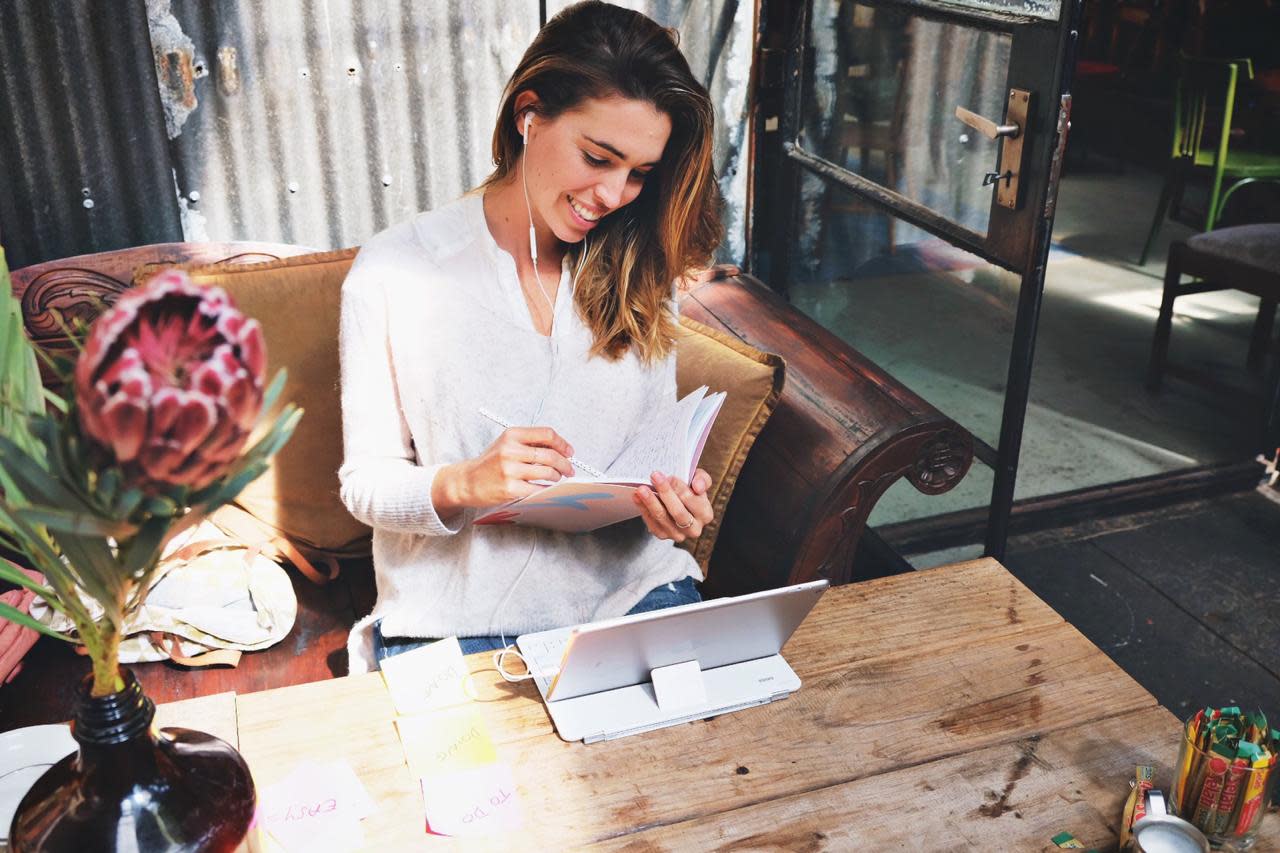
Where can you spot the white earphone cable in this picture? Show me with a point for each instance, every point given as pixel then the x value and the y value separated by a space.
pixel 533 234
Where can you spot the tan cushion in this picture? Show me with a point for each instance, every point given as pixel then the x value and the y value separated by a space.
pixel 297 301
pixel 753 380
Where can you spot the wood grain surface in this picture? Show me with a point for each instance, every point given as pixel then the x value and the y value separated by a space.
pixel 214 715
pixel 941 710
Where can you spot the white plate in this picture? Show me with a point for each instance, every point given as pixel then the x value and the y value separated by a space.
pixel 24 756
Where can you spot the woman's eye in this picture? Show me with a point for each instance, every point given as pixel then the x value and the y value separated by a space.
pixel 594 161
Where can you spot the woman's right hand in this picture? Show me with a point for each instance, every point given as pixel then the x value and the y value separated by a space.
pixel 504 471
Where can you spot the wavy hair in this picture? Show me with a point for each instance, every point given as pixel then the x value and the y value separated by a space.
pixel 637 253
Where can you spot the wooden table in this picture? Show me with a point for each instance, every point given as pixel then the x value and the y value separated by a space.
pixel 941 710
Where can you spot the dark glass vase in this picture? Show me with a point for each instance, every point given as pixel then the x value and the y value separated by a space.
pixel 131 787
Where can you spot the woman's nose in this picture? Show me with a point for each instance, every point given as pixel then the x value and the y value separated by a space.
pixel 609 190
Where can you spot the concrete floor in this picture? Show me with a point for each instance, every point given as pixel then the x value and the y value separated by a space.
pixel 941 321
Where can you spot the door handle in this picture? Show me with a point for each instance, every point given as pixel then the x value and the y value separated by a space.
pixel 986 126
pixel 1011 135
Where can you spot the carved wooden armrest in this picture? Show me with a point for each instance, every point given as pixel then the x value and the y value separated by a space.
pixel 842 433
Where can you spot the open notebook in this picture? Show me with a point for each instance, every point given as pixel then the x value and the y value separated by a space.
pixel 672 443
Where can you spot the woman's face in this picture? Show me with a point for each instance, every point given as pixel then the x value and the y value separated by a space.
pixel 591 160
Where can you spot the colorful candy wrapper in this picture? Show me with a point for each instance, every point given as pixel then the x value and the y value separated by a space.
pixel 1213 777
pixel 1135 807
pixel 1254 792
pixel 1231 788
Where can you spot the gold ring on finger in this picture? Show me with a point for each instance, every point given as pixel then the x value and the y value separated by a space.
pixel 687 524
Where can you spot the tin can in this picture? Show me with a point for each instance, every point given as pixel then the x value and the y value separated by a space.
pixel 1161 832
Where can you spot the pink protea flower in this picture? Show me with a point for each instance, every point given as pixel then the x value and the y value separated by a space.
pixel 171 381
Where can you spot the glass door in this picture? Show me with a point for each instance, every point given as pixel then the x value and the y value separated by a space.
pixel 893 133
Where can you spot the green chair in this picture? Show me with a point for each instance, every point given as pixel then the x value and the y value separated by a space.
pixel 1203 102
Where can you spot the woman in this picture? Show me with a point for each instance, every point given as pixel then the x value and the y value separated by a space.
pixel 544 298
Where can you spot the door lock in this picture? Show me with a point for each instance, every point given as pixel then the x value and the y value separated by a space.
pixel 1011 135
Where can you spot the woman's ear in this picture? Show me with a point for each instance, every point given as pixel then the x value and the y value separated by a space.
pixel 526 106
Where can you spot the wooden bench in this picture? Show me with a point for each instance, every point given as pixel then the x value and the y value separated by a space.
pixel 841 434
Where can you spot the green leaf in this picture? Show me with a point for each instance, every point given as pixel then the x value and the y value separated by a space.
pixel 279 434
pixel 161 506
pixel 129 501
pixel 76 523
pixel 13 614
pixel 236 484
pixel 107 485
pixel 57 574
pixel 57 402
pixel 32 543
pixel 12 574
pixel 32 478
pixel 95 568
pixel 144 548
pixel 272 393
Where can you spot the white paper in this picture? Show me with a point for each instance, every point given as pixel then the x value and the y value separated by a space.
pixel 480 801
pixel 430 677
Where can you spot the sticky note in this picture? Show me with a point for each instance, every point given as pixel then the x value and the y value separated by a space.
pixel 479 801
pixel 428 678
pixel 445 741
pixel 318 806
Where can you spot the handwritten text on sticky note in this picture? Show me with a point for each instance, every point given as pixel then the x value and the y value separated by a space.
pixel 445 741
pixel 427 678
pixel 316 807
pixel 480 801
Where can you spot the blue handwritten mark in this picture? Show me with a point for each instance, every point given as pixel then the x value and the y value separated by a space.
pixel 576 501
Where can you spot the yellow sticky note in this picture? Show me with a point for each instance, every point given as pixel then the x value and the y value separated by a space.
pixel 445 742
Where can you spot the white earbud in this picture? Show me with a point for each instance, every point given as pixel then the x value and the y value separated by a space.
pixel 528 120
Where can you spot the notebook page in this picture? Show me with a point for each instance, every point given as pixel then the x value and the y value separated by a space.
pixel 660 445
pixel 700 428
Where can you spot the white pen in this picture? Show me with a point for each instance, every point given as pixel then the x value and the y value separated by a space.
pixel 577 463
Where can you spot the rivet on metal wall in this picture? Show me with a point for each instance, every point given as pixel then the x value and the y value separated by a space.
pixel 194 195
pixel 293 186
pixel 228 70
pixel 88 204
pixel 304 73
pixel 386 180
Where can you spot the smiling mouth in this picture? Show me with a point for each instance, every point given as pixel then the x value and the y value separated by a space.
pixel 585 212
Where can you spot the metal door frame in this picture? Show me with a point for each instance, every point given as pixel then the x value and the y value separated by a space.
pixel 1017 240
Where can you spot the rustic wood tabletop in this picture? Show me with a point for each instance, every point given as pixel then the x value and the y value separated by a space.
pixel 940 710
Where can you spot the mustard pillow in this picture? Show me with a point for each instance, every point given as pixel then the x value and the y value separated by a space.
pixel 753 380
pixel 297 301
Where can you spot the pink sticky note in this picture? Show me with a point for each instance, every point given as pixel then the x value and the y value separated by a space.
pixel 316 807
pixel 480 801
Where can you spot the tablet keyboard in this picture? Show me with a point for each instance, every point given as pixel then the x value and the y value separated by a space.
pixel 543 653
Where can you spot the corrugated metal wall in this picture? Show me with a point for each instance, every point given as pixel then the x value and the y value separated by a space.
pixel 322 122
pixel 84 162
pixel 318 122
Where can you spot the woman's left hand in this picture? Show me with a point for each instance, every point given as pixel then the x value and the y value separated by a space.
pixel 673 509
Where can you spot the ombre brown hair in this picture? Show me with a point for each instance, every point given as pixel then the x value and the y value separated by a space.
pixel 636 254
